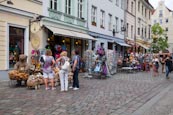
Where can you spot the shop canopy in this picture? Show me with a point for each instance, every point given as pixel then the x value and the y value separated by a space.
pixel 142 45
pixel 69 33
pixel 122 43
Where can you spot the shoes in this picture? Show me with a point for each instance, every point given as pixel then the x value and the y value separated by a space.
pixel 53 88
pixel 70 87
pixel 47 88
pixel 75 88
pixel 167 77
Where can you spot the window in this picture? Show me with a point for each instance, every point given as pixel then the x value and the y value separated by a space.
pixel 80 9
pixel 149 31
pixel 155 21
pixel 167 20
pixel 116 24
pixel 145 32
pixel 149 14
pixel 132 7
pixel 53 4
pixel 139 6
pixel 122 24
pixel 122 4
pixel 160 21
pixel 132 32
pixel 142 9
pixel 68 7
pixel 110 46
pixel 127 30
pixel 117 2
pixel 145 12
pixel 138 31
pixel 127 5
pixel 102 19
pixel 142 31
pixel 110 22
pixel 160 13
pixel 166 29
pixel 94 15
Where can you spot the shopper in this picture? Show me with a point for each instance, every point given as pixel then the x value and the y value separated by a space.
pixel 75 68
pixel 64 66
pixel 155 66
pixel 48 63
pixel 168 63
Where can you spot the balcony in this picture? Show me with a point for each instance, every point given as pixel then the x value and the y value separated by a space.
pixel 66 18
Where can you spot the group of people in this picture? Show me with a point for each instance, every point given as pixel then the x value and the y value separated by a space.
pixel 147 62
pixel 48 63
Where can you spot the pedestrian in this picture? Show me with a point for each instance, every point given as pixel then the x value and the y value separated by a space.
pixel 48 63
pixel 64 69
pixel 75 68
pixel 155 66
pixel 168 64
pixel 162 61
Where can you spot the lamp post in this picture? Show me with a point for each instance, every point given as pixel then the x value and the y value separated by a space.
pixel 8 2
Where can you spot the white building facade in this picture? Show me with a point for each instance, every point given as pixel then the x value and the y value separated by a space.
pixel 164 17
pixel 106 22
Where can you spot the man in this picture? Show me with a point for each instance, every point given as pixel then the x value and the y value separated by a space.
pixel 168 63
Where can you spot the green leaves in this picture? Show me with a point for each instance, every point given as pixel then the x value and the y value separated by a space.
pixel 159 39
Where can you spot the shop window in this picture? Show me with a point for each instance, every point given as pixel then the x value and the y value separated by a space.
pixel 16 44
pixel 110 46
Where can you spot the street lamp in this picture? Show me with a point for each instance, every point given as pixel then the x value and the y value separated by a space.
pixel 8 2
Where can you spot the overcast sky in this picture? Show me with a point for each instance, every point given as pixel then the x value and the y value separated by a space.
pixel 169 3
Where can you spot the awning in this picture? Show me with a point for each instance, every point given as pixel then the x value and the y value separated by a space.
pixel 122 43
pixel 69 33
pixel 144 46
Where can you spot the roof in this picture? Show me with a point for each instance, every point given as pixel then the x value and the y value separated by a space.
pixel 149 3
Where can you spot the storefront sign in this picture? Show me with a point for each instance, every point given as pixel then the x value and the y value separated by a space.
pixel 35 42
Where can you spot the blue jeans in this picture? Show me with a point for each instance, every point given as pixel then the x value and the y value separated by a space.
pixel 75 79
pixel 167 71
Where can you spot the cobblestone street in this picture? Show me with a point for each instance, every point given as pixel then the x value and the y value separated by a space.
pixel 121 94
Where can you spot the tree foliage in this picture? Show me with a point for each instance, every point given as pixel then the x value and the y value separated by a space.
pixel 159 39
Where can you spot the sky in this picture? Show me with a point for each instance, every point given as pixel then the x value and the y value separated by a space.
pixel 168 3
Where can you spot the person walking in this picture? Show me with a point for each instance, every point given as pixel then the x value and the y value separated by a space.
pixel 48 63
pixel 162 61
pixel 155 66
pixel 64 69
pixel 75 68
pixel 168 64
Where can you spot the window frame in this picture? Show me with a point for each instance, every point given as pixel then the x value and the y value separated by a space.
pixel 102 19
pixel 110 22
pixel 80 9
pixel 94 15
pixel 53 4
pixel 68 7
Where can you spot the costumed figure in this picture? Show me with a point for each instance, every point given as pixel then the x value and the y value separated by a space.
pixel 21 66
pixel 58 51
pixel 101 62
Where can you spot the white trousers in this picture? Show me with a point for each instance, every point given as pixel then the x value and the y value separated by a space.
pixel 63 79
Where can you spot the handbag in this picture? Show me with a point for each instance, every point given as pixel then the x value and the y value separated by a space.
pixel 66 66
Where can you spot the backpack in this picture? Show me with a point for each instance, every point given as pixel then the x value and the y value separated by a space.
pixel 79 63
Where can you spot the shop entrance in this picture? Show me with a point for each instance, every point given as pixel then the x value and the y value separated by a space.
pixel 16 44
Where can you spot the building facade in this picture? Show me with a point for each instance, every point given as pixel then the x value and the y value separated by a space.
pixel 138 16
pixel 65 24
pixel 143 24
pixel 14 29
pixel 164 17
pixel 106 23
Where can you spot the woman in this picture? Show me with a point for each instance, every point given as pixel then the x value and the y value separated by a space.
pixel 155 66
pixel 47 69
pixel 75 68
pixel 63 73
pixel 162 61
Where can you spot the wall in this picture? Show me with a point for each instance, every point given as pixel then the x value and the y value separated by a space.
pixel 109 8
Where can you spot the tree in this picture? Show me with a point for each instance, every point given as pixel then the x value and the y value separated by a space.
pixel 159 39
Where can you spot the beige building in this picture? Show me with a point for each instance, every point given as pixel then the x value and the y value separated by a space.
pixel 14 29
pixel 164 17
pixel 143 24
pixel 138 24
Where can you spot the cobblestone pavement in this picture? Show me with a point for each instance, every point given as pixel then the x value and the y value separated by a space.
pixel 121 94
